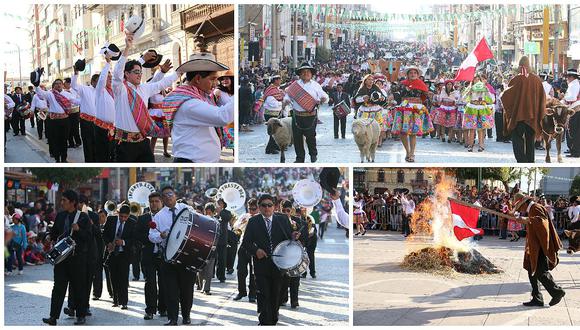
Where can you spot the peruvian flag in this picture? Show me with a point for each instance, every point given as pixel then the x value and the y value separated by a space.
pixel 479 54
pixel 464 220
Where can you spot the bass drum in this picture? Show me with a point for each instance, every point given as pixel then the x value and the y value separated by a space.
pixel 291 258
pixel 191 240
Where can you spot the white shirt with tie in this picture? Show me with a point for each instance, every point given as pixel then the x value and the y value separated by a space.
pixel 119 223
pixel 164 220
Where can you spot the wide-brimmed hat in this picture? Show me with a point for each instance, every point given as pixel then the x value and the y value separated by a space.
pixel 519 199
pixel 135 25
pixel 80 65
pixel 412 67
pixel 306 65
pixel 274 77
pixel 329 177
pixel 112 49
pixel 153 62
pixel 229 73
pixel 545 75
pixel 202 60
pixel 572 72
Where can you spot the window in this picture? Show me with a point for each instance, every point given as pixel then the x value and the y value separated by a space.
pixel 143 11
pixel 154 11
pixel 47 32
pixel 64 19
pixel 85 40
pixel 381 175
pixel 420 175
pixel 401 176
pixel 174 7
pixel 47 51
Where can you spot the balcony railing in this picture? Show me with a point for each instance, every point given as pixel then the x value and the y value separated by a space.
pixel 197 14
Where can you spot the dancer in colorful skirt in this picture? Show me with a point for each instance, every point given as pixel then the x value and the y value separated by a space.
pixel 384 86
pixel 478 113
pixel 360 218
pixel 370 101
pixel 445 116
pixel 411 117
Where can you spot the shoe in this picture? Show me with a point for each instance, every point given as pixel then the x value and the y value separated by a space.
pixel 89 313
pixel 96 298
pixel 166 155
pixel 124 307
pixel 69 311
pixel 20 272
pixel 313 276
pixel 303 275
pixel 358 233
pixel 363 233
pixel 186 320
pixel 283 303
pixel 80 321
pixel 239 296
pixel 163 314
pixel 294 306
pixel 534 303
pixel 148 316
pixel 222 281
pixel 313 159
pixel 229 272
pixel 573 156
pixel 480 149
pixel 171 322
pixel 49 321
pixel 115 305
pixel 135 279
pixel 207 293
pixel 555 300
pixel 252 299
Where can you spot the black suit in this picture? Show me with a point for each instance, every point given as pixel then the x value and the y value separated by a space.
pixel 221 252
pixel 73 270
pixel 335 99
pixel 293 283
pixel 18 122
pixel 151 264
pixel 28 97
pixel 268 276
pixel 100 253
pixel 120 260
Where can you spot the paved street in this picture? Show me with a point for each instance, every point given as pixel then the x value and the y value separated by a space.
pixel 252 146
pixel 29 149
pixel 323 301
pixel 386 294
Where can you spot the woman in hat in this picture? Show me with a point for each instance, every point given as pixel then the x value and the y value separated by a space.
pixel 445 116
pixel 478 114
pixel 384 86
pixel 370 101
pixel 224 93
pixel 411 116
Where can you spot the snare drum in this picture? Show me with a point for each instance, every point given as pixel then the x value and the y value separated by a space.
pixel 61 250
pixel 191 240
pixel 341 110
pixel 291 258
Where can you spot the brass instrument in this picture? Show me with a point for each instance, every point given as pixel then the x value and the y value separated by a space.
pixel 42 114
pixel 110 207
pixel 211 193
pixel 135 209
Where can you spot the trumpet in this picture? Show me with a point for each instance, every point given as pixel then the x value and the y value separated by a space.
pixel 135 209
pixel 110 207
pixel 211 193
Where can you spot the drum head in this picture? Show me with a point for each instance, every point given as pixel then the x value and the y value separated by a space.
pixel 307 193
pixel 288 255
pixel 178 232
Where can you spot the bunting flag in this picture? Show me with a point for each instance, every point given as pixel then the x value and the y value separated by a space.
pixel 481 53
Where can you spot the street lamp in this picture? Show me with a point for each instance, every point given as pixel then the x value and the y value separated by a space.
pixel 30 33
pixel 19 63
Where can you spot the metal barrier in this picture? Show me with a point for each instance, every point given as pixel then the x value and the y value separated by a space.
pixel 561 220
pixel 385 217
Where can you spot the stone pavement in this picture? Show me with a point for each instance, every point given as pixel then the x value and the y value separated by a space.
pixel 386 294
pixel 29 149
pixel 323 301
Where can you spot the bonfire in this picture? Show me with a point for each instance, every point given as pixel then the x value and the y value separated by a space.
pixel 434 246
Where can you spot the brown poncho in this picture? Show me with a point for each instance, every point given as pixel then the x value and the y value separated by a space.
pixel 524 100
pixel 541 235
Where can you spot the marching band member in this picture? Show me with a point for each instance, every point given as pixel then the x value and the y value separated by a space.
pixel 105 114
pixel 8 109
pixel 37 106
pixel 305 95
pixel 339 96
pixel 411 117
pixel 72 270
pixel 223 216
pixel 178 280
pixel 18 122
pixel 151 260
pixel 273 97
pixel 206 274
pixel 87 112
pixel 245 264
pixel 74 137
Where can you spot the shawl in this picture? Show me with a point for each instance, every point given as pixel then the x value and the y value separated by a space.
pixel 541 236
pixel 524 100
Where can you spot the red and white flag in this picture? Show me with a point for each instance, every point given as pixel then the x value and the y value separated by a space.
pixel 479 54
pixel 464 220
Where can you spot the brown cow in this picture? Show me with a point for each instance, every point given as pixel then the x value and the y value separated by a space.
pixel 573 240
pixel 553 126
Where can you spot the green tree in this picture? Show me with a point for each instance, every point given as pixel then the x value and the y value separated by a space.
pixel 575 188
pixel 506 175
pixel 66 177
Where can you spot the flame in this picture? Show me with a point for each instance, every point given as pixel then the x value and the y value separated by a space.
pixel 432 223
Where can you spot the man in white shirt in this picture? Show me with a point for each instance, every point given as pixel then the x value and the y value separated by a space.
pixel 37 106
pixel 74 136
pixel 196 112
pixel 273 97
pixel 105 114
pixel 548 89
pixel 304 120
pixel 574 215
pixel 408 209
pixel 571 98
pixel 132 135
pixel 60 103
pixel 87 113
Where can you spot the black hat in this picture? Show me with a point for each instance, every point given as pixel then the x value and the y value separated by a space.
pixel 329 177
pixel 305 65
pixel 155 61
pixel 80 65
pixel 572 72
pixel 113 49
pixel 35 76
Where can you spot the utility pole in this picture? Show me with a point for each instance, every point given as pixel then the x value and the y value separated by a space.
pixel 556 39
pixel 275 35
pixel 499 38
pixel 295 40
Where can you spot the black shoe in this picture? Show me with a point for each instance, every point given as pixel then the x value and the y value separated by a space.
pixel 186 320
pixel 171 322
pixel 163 314
pixel 49 321
pixel 135 279
pixel 124 307
pixel 89 313
pixel 231 271
pixel 69 311
pixel 252 299
pixel 294 306
pixel 555 300
pixel 80 321
pixel 115 305
pixel 239 296
pixel 96 298
pixel 313 159
pixel 222 281
pixel 207 293
pixel 573 156
pixel 148 316
pixel 534 303
pixel 283 303
pixel 313 276
pixel 304 275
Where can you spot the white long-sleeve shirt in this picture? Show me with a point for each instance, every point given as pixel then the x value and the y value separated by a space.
pixel 9 105
pixel 193 134
pixel 574 213
pixel 123 118
pixel 163 219
pixel 86 95
pixel 104 102
pixel 272 104
pixel 572 91
pixel 312 88
pixel 341 214
pixel 38 103
pixel 53 105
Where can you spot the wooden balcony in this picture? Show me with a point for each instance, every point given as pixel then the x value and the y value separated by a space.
pixel 221 15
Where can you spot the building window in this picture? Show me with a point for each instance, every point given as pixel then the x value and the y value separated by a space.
pixel 154 11
pixel 47 51
pixel 85 40
pixel 64 19
pixel 174 7
pixel 143 11
pixel 401 176
pixel 47 32
pixel 381 175
pixel 419 176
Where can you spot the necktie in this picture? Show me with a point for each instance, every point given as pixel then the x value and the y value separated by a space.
pixel 118 235
pixel 67 224
pixel 269 227
pixel 172 214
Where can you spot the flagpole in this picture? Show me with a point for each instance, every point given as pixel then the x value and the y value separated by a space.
pixel 499 214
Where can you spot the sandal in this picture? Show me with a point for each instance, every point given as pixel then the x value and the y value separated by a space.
pixel 407 159
pixel 480 149
pixel 412 159
pixel 470 149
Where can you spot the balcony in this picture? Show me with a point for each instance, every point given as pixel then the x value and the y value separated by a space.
pixel 222 16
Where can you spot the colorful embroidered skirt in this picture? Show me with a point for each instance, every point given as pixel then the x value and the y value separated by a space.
pixel 445 116
pixel 411 119
pixel 478 116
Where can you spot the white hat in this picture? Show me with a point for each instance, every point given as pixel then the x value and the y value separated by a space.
pixel 135 25
pixel 112 49
pixel 202 60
